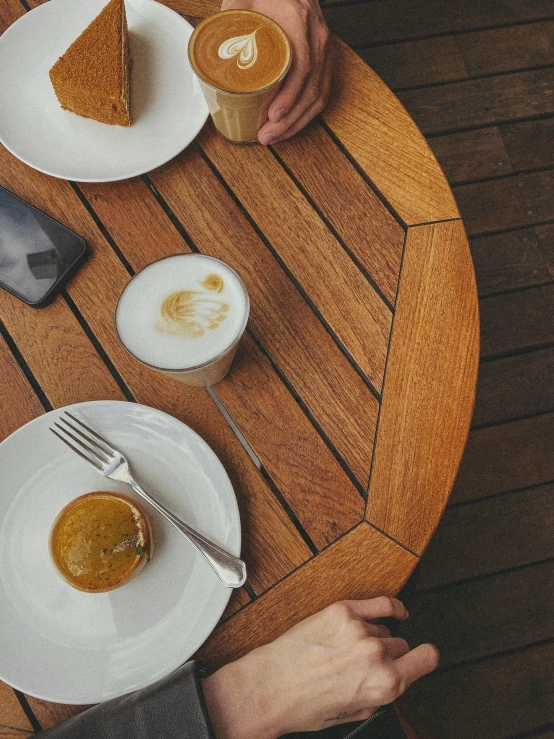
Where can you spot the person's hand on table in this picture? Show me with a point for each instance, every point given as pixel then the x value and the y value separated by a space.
pixel 335 667
pixel 306 88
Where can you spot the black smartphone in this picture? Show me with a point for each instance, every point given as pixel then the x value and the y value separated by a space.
pixel 37 254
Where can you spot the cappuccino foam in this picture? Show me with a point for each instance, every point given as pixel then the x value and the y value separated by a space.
pixel 239 51
pixel 181 312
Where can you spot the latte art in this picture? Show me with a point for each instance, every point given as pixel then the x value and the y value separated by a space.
pixel 182 312
pixel 242 46
pixel 187 313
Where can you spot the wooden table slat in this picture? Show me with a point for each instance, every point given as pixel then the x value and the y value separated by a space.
pixel 428 396
pixel 18 402
pixel 341 293
pixel 374 127
pixel 363 222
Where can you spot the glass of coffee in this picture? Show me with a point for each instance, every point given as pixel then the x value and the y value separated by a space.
pixel 184 315
pixel 240 58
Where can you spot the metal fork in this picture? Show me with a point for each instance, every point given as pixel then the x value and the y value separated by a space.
pixel 111 463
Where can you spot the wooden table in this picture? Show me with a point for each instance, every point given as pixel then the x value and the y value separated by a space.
pixel 355 381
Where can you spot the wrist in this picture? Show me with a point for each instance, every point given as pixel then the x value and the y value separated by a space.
pixel 240 702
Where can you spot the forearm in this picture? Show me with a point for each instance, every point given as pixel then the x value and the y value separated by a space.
pixel 237 707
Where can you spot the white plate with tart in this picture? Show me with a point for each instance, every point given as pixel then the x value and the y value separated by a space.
pixel 67 645
pixel 166 104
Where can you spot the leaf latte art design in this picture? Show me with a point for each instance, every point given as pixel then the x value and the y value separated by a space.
pixel 188 313
pixel 243 46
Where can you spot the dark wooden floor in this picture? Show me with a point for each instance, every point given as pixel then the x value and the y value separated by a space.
pixel 478 78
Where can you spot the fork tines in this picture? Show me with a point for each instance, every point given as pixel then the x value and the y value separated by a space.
pixel 90 445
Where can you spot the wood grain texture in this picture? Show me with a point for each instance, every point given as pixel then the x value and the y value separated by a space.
pixel 362 564
pixel 477 619
pixel 11 713
pixel 515 680
pixel 319 491
pixel 415 63
pixel 507 49
pixel 338 398
pixel 343 296
pixel 430 385
pixel 464 548
pixel 396 20
pixel 517 321
pixel 368 229
pixel 472 155
pixel 507 457
pixel 510 202
pixel 509 261
pixel 480 102
pixel 59 353
pixel 239 598
pixel 18 402
pixel 374 127
pixel 265 524
pixel 513 387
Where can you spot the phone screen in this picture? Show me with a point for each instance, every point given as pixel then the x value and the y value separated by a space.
pixel 36 252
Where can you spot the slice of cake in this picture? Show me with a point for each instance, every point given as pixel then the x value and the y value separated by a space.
pixel 92 77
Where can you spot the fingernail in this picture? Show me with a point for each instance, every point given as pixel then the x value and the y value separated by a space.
pixel 267 139
pixel 281 113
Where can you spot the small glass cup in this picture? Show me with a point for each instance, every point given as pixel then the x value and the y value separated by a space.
pixel 238 116
pixel 215 367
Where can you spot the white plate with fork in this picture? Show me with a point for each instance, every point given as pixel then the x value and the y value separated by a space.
pixel 66 646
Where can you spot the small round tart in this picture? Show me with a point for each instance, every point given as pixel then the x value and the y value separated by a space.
pixel 99 541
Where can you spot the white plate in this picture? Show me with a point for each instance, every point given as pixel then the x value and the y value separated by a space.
pixel 167 105
pixel 67 646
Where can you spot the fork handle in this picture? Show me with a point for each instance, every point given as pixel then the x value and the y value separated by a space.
pixel 230 569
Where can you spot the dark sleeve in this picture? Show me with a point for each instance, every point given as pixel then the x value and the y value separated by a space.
pixel 172 708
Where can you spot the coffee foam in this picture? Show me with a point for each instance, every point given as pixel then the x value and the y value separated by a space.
pixel 181 312
pixel 239 51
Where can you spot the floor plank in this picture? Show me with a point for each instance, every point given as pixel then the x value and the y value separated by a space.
pixel 514 387
pixel 452 58
pixel 489 536
pixel 413 63
pixel 507 457
pixel 481 102
pixel 530 145
pixel 510 202
pixel 494 699
pixel 508 49
pixel 382 21
pixel 545 235
pixel 509 261
pixel 508 610
pixel 517 321
pixel 472 155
